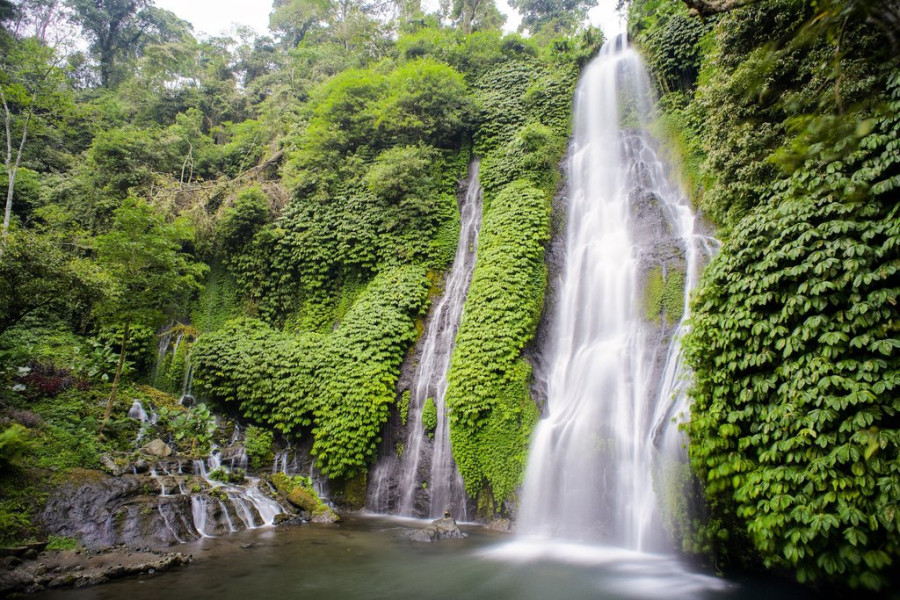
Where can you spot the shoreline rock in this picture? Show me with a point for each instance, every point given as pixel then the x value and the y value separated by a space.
pixel 80 568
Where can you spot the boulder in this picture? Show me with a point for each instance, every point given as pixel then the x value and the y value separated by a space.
pixel 500 525
pixel 157 448
pixel 325 515
pixel 440 529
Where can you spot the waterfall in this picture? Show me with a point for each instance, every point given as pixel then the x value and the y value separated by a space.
pixel 615 381
pixel 424 480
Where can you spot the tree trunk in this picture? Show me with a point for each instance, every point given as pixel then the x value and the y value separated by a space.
pixel 7 213
pixel 115 386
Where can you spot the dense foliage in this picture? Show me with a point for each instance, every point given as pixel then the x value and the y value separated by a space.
pixel 338 387
pixel 791 147
pixel 491 409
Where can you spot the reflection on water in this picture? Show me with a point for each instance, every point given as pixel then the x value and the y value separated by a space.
pixel 370 558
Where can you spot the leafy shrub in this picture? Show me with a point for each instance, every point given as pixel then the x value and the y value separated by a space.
pixel 225 476
pixel 426 102
pixel 15 442
pixel 57 542
pixel 192 430
pixel 258 443
pixel 340 384
pixel 242 220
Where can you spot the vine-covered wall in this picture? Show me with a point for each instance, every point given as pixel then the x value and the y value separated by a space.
pixel 785 116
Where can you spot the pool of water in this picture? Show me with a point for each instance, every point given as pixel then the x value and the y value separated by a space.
pixel 371 558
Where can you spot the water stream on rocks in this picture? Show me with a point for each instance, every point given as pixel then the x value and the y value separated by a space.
pixel 424 480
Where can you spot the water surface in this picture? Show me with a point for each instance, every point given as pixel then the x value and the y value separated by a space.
pixel 370 558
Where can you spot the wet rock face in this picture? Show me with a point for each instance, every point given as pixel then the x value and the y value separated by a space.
pixel 504 525
pixel 440 529
pixel 153 510
pixel 118 510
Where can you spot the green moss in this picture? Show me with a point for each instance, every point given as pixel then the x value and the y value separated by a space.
pixel 351 492
pixel 429 415
pixel 653 294
pixel 664 295
pixel 403 407
pixel 299 491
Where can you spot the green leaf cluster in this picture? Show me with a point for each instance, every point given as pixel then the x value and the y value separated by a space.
pixel 258 444
pixel 794 347
pixel 491 412
pixel 429 415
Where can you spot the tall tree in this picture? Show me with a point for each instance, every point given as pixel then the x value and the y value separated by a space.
pixel 292 20
pixel 559 16
pixel 473 15
pixel 33 92
pixel 146 272
pixel 119 30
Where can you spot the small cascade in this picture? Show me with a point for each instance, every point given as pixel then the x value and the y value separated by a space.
pixel 615 383
pixel 187 386
pixel 197 505
pixel 172 371
pixel 138 413
pixel 419 477
pixel 165 339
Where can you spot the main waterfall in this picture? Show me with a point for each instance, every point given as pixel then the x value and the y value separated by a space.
pixel 614 378
pixel 424 481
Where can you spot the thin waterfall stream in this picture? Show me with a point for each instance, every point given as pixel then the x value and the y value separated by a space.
pixel 424 480
pixel 615 384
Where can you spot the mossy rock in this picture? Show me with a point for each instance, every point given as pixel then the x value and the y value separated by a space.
pixel 351 493
pixel 303 499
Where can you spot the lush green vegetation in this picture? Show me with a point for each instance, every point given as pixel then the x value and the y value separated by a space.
pixel 785 115
pixel 525 107
pixel 277 213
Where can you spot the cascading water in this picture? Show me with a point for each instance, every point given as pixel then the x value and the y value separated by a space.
pixel 615 381
pixel 408 485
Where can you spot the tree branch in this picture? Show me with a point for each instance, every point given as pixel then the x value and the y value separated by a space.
pixel 712 7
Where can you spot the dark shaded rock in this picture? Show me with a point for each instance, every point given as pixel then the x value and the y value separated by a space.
pixel 23 549
pixel 288 519
pixel 110 465
pixel 325 516
pixel 439 529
